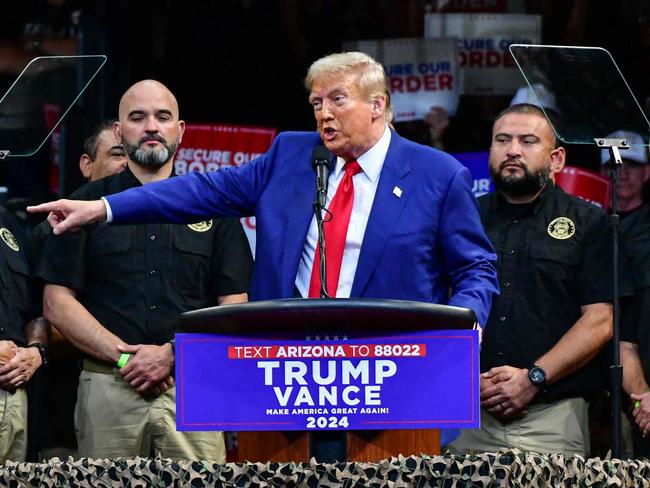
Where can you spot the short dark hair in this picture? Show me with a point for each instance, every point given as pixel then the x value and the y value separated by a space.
pixel 552 117
pixel 92 141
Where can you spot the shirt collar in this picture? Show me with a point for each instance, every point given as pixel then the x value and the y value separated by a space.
pixel 372 160
pixel 128 178
pixel 537 204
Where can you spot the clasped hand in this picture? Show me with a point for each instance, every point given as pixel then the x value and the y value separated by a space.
pixel 18 364
pixel 641 413
pixel 149 369
pixel 506 392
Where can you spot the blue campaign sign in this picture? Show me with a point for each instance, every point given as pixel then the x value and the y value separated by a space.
pixel 414 380
pixel 477 163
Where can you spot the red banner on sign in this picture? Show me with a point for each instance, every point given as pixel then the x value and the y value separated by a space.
pixel 584 184
pixel 207 147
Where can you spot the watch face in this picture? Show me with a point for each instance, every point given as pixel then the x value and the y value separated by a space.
pixel 537 375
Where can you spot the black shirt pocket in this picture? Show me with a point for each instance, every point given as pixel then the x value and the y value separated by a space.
pixel 109 240
pixel 555 262
pixel 110 256
pixel 192 256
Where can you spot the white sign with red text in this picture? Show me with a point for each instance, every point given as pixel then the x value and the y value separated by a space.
pixel 422 73
pixel 486 66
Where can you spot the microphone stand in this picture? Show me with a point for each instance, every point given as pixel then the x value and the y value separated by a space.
pixel 319 207
pixel 615 369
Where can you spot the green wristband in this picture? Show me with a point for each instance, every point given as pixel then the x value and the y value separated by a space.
pixel 124 358
pixel 637 404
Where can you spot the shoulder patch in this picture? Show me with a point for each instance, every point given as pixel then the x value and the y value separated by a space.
pixel 9 239
pixel 561 228
pixel 203 226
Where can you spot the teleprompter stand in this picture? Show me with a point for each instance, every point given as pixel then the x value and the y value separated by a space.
pixel 593 101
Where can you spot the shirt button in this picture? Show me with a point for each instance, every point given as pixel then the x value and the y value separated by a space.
pixel 153 307
pixel 153 238
pixel 506 284
pixel 511 251
pixel 502 318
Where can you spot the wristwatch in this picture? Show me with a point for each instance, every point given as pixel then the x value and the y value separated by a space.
pixel 537 376
pixel 42 351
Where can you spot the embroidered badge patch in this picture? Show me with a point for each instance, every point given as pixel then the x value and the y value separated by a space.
pixel 204 226
pixel 561 228
pixel 9 239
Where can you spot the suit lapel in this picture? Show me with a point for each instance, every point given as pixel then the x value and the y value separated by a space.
pixel 385 213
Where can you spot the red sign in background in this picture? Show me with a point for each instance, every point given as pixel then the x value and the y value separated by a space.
pixel 585 184
pixel 209 147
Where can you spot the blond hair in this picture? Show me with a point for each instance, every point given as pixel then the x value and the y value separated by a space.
pixel 372 80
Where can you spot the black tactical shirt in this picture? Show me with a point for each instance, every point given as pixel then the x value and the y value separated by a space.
pixel 554 255
pixel 136 279
pixel 16 307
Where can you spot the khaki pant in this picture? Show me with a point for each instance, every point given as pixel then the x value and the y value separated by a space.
pixel 13 425
pixel 557 428
pixel 112 420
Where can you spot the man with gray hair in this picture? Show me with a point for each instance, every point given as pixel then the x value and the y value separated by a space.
pixel 412 232
pixel 404 223
pixel 115 292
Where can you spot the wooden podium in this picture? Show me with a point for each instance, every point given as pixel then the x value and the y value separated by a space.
pixel 319 316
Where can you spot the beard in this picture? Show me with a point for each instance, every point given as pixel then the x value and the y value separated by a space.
pixel 152 158
pixel 512 185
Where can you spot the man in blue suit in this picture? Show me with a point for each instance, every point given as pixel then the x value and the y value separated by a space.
pixel 414 230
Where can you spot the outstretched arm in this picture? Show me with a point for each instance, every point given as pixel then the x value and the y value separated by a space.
pixel 65 215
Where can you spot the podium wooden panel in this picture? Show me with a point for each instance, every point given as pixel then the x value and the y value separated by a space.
pixel 373 445
pixel 290 445
pixel 354 317
pixel 362 445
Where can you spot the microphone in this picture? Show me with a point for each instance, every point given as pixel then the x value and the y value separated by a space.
pixel 320 163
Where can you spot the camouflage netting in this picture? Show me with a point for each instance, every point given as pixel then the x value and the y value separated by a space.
pixel 506 468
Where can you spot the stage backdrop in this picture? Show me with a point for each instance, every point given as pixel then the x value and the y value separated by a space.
pixel 209 147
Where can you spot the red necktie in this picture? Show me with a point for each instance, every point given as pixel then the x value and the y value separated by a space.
pixel 335 231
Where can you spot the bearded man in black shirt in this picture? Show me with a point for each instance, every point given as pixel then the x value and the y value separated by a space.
pixel 554 314
pixel 115 292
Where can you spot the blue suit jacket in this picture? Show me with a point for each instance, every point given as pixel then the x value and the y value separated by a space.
pixel 416 246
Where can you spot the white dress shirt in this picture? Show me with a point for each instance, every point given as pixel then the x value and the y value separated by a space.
pixel 365 187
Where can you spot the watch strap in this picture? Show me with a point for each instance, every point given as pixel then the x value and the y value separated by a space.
pixel 42 350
